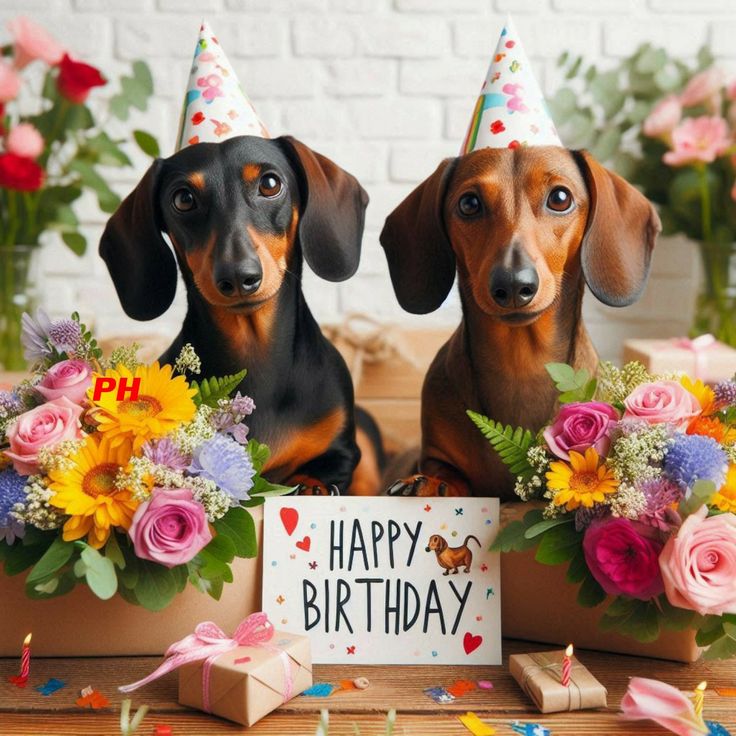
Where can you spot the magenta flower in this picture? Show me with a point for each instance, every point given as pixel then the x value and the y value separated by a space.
pixel 698 140
pixel 623 557
pixel 579 426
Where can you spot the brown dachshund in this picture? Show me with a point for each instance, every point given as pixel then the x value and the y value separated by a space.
pixel 525 230
pixel 451 558
pixel 242 217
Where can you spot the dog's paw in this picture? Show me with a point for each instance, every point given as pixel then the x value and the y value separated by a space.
pixel 421 485
pixel 308 486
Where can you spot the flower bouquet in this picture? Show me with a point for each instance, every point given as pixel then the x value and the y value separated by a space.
pixel 128 477
pixel 635 483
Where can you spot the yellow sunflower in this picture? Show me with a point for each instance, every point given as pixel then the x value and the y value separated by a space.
pixel 704 394
pixel 582 482
pixel 87 491
pixel 163 403
pixel 725 498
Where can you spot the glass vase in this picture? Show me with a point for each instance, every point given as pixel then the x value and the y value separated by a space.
pixel 17 295
pixel 715 310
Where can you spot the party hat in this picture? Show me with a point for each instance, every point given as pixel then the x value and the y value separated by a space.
pixel 511 110
pixel 215 106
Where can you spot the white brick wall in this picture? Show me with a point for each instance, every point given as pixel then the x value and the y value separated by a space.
pixel 385 87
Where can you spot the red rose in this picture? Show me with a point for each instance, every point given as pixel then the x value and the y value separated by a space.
pixel 76 79
pixel 20 173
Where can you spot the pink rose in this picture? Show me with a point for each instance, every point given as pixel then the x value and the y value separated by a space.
pixel 170 528
pixel 662 401
pixel 698 139
pixel 70 378
pixel 25 140
pixel 703 87
pixel 44 426
pixel 579 426
pixel 699 564
pixel 666 705
pixel 665 115
pixel 9 83
pixel 33 42
pixel 623 557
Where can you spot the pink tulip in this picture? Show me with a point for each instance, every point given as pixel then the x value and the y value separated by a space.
pixel 666 705
pixel 33 42
pixel 665 115
pixel 25 140
pixel 695 140
pixel 9 83
pixel 703 87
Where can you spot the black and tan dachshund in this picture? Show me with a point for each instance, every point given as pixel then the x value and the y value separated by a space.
pixel 242 215
pixel 525 230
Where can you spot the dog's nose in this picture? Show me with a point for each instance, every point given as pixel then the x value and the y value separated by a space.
pixel 514 287
pixel 426 549
pixel 241 280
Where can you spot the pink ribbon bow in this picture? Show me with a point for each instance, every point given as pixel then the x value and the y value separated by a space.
pixel 698 346
pixel 208 642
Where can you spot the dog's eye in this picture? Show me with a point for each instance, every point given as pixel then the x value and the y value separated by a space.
pixel 469 205
pixel 269 186
pixel 559 199
pixel 183 200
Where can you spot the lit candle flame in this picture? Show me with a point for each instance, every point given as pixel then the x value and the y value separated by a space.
pixel 569 650
pixel 703 685
pixel 27 640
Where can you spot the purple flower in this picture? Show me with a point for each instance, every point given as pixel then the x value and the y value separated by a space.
pixel 726 392
pixel 164 452
pixel 694 457
pixel 10 404
pixel 660 495
pixel 239 433
pixel 243 405
pixel 34 336
pixel 12 492
pixel 580 425
pixel 65 335
pixel 226 463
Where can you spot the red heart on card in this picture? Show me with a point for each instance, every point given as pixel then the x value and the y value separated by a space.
pixel 305 544
pixel 289 518
pixel 497 127
pixel 471 643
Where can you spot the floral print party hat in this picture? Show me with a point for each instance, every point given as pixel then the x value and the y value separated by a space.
pixel 511 110
pixel 215 106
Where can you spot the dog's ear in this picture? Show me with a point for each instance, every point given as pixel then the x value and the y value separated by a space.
pixel 419 254
pixel 441 544
pixel 619 236
pixel 142 266
pixel 332 212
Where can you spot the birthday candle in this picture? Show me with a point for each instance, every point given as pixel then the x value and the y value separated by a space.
pixel 567 666
pixel 699 698
pixel 25 658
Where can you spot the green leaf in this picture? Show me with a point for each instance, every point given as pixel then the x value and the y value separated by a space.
pixel 725 646
pixel 181 575
pixel 510 444
pixel 578 569
pixel 147 143
pixel 574 385
pixel 221 547
pixel 259 454
pixel 558 545
pixel 677 619
pixel 52 588
pixel 634 618
pixel 142 75
pixel 511 538
pixel 238 526
pixel 210 567
pixel 114 553
pixel 106 198
pixel 22 556
pixel 107 151
pixel 156 586
pixel 211 390
pixel 99 573
pixel 607 144
pixel 542 526
pixel 76 241
pixel 55 557
pixel 590 593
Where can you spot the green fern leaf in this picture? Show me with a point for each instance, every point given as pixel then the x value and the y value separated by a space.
pixel 211 390
pixel 510 444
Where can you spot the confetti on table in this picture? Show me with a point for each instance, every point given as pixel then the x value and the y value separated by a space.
pixel 726 692
pixel 50 686
pixel 460 688
pixel 530 729
pixel 439 695
pixel 93 698
pixel 319 690
pixel 362 683
pixel 485 684
pixel 346 685
pixel 716 729
pixel 162 730
pixel 475 725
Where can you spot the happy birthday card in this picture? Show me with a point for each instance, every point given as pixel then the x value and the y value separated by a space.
pixel 385 580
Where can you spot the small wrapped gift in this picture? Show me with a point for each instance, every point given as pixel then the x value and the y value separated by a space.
pixel 242 678
pixel 702 357
pixel 540 677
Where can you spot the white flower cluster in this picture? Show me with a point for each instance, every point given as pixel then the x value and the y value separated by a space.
pixel 36 510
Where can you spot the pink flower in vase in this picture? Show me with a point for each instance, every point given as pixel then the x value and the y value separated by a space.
pixel 33 42
pixel 703 88
pixel 700 139
pixel 25 140
pixel 9 83
pixel 665 115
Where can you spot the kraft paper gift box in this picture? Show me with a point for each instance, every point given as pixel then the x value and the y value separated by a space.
pixel 246 691
pixel 703 358
pixel 539 676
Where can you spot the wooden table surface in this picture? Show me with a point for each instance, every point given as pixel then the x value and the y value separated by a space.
pixel 28 712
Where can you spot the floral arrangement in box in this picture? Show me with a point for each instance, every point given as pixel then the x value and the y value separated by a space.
pixel 635 483
pixel 136 496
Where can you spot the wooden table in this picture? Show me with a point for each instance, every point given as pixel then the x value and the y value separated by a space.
pixel 28 712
